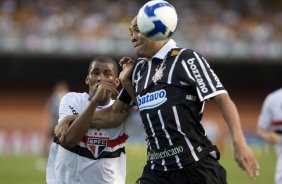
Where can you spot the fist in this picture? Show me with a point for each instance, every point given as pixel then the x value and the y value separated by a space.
pixel 126 64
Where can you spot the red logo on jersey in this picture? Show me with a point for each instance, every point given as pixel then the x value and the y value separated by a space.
pixel 97 145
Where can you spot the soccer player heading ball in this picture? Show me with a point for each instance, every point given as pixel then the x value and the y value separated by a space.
pixel 171 85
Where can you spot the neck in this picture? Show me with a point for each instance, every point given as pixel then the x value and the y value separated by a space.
pixel 104 102
pixel 157 47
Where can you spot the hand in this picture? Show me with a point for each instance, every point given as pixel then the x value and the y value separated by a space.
pixel 273 138
pixel 105 87
pixel 62 127
pixel 127 66
pixel 246 160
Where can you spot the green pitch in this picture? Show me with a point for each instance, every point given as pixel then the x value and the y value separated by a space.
pixel 30 169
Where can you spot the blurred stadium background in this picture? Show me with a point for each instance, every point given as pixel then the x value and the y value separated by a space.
pixel 45 41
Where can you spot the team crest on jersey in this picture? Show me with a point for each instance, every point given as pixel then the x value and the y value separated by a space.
pixel 139 77
pixel 151 100
pixel 97 144
pixel 159 72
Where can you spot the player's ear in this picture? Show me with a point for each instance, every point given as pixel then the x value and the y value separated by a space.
pixel 87 80
pixel 117 82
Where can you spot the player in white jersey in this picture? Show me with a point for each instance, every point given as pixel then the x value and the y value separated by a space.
pixel 97 156
pixel 270 127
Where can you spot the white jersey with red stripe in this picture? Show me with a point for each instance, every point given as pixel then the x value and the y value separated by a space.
pixel 99 157
pixel 271 114
pixel 271 118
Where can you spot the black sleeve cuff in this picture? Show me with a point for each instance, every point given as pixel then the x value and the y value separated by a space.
pixel 124 96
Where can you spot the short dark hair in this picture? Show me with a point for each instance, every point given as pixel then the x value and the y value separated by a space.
pixel 105 59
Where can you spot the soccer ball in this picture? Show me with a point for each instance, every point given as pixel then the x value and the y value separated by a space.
pixel 157 20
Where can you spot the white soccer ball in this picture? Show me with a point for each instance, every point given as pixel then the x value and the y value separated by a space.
pixel 157 20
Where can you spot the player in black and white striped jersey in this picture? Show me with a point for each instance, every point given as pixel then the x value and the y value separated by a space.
pixel 171 87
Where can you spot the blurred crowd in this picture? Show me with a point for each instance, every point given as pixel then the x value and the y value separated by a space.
pixel 214 26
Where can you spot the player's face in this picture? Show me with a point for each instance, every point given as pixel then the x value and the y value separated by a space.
pixel 143 46
pixel 99 71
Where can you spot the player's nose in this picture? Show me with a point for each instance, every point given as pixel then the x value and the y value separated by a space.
pixel 134 37
pixel 101 77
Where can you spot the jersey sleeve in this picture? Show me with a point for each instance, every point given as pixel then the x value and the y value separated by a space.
pixel 203 77
pixel 265 117
pixel 68 105
pixel 133 123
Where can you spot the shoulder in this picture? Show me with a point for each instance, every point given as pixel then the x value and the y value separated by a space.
pixel 277 94
pixel 74 96
pixel 189 53
pixel 184 54
pixel 70 95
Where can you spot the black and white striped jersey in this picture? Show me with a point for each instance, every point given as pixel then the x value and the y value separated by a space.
pixel 171 89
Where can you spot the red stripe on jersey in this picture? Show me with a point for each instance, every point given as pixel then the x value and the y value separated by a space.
pixel 277 123
pixel 119 140
pixel 111 143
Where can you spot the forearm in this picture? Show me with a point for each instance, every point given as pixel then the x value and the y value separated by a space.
pixel 112 116
pixel 243 154
pixel 231 117
pixel 263 134
pixel 129 88
pixel 80 125
pixel 268 135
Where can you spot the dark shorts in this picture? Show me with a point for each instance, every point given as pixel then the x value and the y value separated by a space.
pixel 205 171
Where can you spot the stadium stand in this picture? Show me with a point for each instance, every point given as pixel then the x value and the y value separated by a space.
pixel 237 29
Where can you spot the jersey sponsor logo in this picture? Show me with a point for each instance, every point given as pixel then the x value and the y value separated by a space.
pixel 218 83
pixel 159 72
pixel 197 75
pixel 151 100
pixel 97 145
pixel 166 153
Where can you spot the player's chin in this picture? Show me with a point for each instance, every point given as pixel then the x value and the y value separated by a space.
pixel 139 50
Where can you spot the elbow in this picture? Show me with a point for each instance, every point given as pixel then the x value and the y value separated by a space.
pixel 69 141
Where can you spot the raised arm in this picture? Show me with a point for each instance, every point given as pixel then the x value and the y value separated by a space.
pixel 81 124
pixel 112 116
pixel 127 65
pixel 243 154
pixel 109 117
